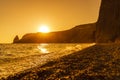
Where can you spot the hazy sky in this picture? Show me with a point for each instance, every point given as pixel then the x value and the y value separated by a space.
pixel 18 17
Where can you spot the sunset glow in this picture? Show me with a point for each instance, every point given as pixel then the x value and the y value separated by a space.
pixel 19 17
pixel 44 29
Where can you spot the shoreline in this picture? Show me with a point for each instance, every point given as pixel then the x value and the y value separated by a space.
pixel 97 62
pixel 32 60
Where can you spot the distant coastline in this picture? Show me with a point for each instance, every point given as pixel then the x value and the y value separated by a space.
pixel 80 34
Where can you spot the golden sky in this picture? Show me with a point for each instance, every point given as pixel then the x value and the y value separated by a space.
pixel 18 17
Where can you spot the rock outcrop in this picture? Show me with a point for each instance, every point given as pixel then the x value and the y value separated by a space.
pixel 16 39
pixel 79 34
pixel 108 24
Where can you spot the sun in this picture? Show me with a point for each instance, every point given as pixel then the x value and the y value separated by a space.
pixel 44 29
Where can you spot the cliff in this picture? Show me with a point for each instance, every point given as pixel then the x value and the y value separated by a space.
pixel 108 24
pixel 81 33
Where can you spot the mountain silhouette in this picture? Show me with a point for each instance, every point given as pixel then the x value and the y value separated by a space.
pixel 79 34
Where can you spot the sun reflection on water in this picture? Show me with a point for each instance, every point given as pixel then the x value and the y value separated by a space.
pixel 43 48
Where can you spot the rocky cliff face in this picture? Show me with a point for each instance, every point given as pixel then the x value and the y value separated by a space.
pixel 108 25
pixel 79 34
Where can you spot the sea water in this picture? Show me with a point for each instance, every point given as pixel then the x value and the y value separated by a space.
pixel 19 57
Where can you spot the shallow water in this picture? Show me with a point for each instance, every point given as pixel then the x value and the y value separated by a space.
pixel 18 57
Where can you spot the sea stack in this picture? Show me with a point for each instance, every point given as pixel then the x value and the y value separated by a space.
pixel 108 25
pixel 16 39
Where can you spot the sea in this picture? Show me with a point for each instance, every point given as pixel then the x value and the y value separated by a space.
pixel 15 58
